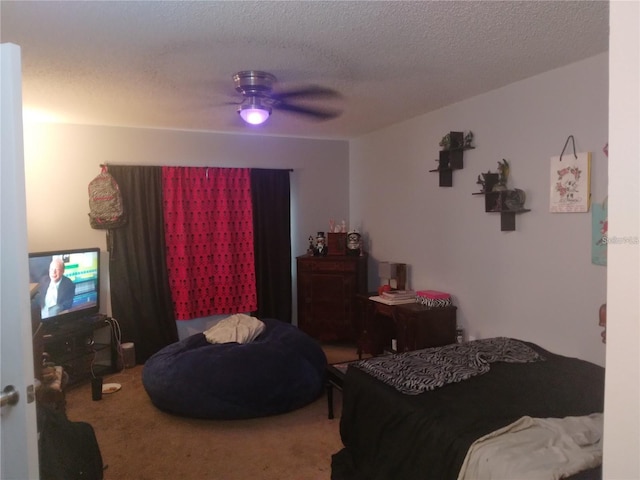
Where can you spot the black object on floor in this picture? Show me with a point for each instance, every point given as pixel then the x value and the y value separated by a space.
pixel 67 450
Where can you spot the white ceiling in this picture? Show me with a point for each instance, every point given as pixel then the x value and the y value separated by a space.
pixel 169 64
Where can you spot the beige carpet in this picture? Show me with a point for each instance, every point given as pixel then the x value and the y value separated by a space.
pixel 140 442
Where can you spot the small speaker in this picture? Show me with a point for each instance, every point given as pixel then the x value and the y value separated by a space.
pixel 129 355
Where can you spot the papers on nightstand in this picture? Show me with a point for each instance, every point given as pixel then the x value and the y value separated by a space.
pixel 389 301
pixel 398 294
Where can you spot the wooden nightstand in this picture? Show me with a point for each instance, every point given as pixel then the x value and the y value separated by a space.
pixel 414 326
pixel 423 327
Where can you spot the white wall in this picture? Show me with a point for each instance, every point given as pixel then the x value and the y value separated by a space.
pixel 61 160
pixel 622 392
pixel 536 283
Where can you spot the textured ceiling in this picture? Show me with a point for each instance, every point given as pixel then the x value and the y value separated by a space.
pixel 169 64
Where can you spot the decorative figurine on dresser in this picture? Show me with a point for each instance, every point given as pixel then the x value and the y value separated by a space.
pixel 353 243
pixel 311 248
pixel 320 249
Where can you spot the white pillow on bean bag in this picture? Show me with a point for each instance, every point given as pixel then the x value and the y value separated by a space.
pixel 238 328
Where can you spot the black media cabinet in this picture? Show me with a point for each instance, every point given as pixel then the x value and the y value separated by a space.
pixel 84 348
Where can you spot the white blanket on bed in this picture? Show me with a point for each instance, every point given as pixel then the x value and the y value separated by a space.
pixel 238 328
pixel 536 448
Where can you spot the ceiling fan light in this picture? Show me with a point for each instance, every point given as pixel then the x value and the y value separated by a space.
pixel 254 116
pixel 254 112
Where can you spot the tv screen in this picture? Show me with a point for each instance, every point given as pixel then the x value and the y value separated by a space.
pixel 68 284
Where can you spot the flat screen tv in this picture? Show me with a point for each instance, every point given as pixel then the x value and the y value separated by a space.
pixel 68 285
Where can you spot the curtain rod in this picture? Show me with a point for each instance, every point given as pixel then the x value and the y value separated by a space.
pixel 102 165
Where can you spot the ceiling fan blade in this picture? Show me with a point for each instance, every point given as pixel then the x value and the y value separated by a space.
pixel 310 91
pixel 317 113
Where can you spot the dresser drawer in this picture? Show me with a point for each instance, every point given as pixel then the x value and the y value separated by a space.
pixel 327 265
pixel 383 309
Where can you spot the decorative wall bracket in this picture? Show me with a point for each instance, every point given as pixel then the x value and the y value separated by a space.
pixel 451 156
pixel 498 198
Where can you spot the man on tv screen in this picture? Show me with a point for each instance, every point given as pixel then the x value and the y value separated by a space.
pixel 56 290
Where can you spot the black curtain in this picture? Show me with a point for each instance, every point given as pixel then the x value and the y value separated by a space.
pixel 270 192
pixel 140 294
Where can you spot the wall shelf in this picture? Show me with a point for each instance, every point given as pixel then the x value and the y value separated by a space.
pixel 451 158
pixel 507 203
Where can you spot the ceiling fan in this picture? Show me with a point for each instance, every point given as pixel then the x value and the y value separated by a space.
pixel 259 99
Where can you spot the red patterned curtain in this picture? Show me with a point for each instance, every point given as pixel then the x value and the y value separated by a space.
pixel 209 235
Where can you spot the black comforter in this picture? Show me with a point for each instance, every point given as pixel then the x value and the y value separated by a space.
pixel 388 435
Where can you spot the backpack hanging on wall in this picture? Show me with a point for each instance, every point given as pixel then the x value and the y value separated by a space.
pixel 105 202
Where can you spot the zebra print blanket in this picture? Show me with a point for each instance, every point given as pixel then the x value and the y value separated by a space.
pixel 419 371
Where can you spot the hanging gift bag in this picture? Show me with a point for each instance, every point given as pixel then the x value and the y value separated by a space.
pixel 570 179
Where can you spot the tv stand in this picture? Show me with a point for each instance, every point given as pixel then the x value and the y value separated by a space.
pixel 84 348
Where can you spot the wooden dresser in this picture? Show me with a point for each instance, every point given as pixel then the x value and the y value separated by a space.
pixel 327 288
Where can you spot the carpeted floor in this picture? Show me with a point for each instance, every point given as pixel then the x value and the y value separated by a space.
pixel 140 442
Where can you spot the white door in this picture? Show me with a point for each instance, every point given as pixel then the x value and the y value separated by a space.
pixel 18 433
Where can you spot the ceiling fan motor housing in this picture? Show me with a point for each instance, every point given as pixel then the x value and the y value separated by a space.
pixel 253 82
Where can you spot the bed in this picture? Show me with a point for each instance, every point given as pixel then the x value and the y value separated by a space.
pixel 426 433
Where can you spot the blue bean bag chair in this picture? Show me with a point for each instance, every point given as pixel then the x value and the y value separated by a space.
pixel 281 370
